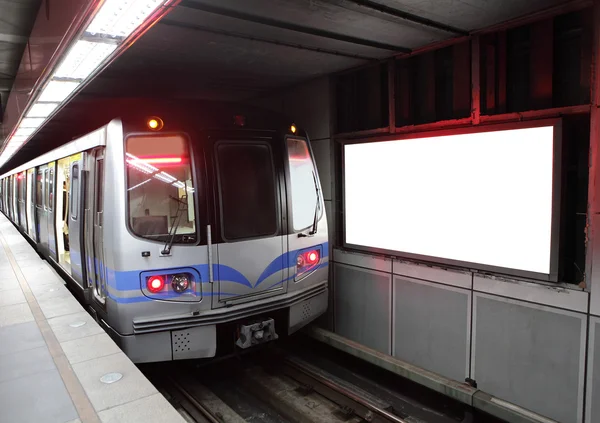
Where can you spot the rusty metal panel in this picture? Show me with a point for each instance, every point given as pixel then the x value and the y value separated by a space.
pixel 475 81
pixel 541 57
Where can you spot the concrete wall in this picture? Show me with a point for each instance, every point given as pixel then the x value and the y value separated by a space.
pixel 525 343
pixel 521 342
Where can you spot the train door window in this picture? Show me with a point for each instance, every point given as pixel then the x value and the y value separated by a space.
pixel 50 188
pixel 303 178
pixel 247 190
pixel 23 186
pixel 99 187
pixel 74 197
pixel 20 187
pixel 161 188
pixel 38 188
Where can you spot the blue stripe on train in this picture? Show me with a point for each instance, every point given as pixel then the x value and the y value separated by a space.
pixel 130 280
pixel 142 298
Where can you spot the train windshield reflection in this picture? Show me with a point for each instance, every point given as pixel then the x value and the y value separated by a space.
pixel 160 188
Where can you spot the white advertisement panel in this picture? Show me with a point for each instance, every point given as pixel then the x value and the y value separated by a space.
pixel 483 198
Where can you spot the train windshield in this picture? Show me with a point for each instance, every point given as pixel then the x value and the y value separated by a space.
pixel 305 196
pixel 160 188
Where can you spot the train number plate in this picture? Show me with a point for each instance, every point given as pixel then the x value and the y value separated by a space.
pixel 256 333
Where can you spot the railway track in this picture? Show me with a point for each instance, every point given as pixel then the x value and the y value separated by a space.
pixel 290 390
pixel 299 384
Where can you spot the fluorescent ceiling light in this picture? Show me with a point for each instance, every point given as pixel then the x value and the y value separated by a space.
pixel 115 19
pixel 119 18
pixel 31 122
pixel 18 139
pixel 25 132
pixel 83 58
pixel 58 90
pixel 41 110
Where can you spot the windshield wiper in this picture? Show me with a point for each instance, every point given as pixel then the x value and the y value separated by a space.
pixel 315 224
pixel 167 249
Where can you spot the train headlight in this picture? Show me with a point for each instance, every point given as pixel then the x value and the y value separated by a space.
pixel 180 283
pixel 307 261
pixel 155 284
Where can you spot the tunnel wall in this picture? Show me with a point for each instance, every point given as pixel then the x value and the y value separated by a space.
pixel 534 345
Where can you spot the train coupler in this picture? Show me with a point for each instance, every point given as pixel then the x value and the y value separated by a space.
pixel 256 333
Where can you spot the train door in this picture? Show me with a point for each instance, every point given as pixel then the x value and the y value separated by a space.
pixel 305 210
pixel 15 201
pixel 250 247
pixel 22 186
pixel 29 203
pixel 11 190
pixel 50 218
pixel 41 208
pixel 75 210
pixel 94 221
pixel 18 199
pixel 60 213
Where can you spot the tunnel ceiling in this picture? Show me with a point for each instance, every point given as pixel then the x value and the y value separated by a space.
pixel 16 20
pixel 237 50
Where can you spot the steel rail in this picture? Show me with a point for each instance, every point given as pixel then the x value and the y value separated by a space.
pixel 338 394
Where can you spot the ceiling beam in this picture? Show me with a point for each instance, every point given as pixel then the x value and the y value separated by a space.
pixel 13 39
pixel 291 26
pixel 225 33
pixel 406 16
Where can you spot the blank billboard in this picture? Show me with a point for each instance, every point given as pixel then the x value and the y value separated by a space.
pixel 482 198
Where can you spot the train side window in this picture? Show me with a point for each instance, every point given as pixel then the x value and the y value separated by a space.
pixel 247 190
pixel 303 178
pixel 74 196
pixel 50 189
pixel 38 188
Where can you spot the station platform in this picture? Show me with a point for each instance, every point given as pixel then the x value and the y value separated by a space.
pixel 57 365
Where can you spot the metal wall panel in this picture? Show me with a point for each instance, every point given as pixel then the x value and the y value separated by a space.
pixel 363 306
pixel 363 260
pixel 432 326
pixel 553 295
pixel 530 355
pixel 460 279
pixel 592 410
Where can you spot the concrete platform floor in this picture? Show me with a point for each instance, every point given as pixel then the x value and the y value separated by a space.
pixel 53 354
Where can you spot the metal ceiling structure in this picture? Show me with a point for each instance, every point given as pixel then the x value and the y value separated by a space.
pixel 16 21
pixel 237 50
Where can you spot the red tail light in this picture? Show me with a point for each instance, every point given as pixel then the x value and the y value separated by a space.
pixel 307 261
pixel 155 284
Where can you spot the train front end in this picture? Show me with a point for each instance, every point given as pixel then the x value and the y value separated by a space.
pixel 218 243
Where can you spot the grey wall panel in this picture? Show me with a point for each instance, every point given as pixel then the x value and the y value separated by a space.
pixel 550 294
pixel 368 261
pixel 530 355
pixel 363 306
pixel 330 227
pixel 431 326
pixel 592 412
pixel 322 151
pixel 461 279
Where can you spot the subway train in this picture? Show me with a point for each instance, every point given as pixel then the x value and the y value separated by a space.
pixel 187 232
